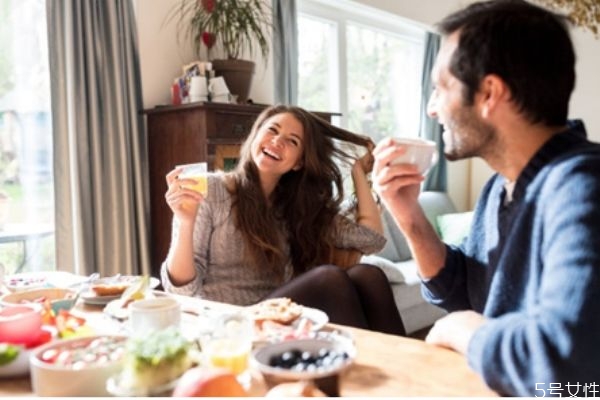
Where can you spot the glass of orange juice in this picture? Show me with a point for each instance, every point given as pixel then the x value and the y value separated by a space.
pixel 197 172
pixel 229 345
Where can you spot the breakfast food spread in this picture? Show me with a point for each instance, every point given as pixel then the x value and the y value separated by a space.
pixel 297 360
pixel 115 289
pixel 156 359
pixel 208 382
pixel 282 310
pixel 81 354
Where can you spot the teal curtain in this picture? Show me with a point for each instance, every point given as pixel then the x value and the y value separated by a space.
pixel 99 144
pixel 430 129
pixel 285 51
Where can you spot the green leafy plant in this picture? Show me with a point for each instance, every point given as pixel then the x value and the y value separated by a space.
pixel 583 13
pixel 231 25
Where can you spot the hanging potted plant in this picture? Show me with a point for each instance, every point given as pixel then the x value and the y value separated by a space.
pixel 230 28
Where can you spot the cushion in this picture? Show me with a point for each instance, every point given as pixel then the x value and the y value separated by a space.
pixel 434 204
pixel 454 227
pixel 396 248
pixel 390 269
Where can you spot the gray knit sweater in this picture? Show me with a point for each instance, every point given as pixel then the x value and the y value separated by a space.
pixel 222 273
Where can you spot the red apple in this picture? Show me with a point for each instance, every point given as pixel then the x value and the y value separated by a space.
pixel 208 382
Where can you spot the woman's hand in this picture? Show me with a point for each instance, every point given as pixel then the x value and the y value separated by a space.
pixel 182 201
pixel 367 210
pixel 365 163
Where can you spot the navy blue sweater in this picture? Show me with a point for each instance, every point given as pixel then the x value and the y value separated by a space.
pixel 533 268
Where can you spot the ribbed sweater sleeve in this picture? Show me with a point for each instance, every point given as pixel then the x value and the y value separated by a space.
pixel 533 269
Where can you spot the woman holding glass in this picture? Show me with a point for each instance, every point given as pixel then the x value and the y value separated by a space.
pixel 271 227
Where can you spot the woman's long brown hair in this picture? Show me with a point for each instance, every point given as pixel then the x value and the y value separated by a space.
pixel 305 202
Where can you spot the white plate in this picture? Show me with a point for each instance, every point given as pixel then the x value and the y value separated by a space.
pixel 26 281
pixel 316 316
pixel 277 332
pixel 90 297
pixel 40 279
pixel 113 308
pixel 114 386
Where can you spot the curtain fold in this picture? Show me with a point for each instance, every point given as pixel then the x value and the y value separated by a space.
pixel 100 160
pixel 285 51
pixel 430 128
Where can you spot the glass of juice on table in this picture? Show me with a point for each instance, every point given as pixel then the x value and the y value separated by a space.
pixel 229 345
pixel 197 172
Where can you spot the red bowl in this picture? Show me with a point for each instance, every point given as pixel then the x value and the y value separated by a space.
pixel 21 324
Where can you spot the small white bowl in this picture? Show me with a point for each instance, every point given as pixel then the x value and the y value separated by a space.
pixel 325 378
pixel 55 379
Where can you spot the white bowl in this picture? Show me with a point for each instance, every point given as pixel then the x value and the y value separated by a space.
pixel 324 377
pixel 17 367
pixel 60 299
pixel 54 379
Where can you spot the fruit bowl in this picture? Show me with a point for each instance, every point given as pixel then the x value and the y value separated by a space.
pixel 319 360
pixel 60 299
pixel 76 367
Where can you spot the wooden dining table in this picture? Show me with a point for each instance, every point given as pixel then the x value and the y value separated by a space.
pixel 385 365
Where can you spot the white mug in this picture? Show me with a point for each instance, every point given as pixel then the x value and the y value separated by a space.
pixel 420 152
pixel 198 89
pixel 218 87
pixel 149 315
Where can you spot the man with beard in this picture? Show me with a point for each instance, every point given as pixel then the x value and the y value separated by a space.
pixel 523 289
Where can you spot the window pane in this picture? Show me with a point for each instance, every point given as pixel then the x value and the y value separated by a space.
pixel 317 69
pixel 26 177
pixel 384 75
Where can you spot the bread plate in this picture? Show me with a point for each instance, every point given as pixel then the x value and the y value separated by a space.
pixel 90 297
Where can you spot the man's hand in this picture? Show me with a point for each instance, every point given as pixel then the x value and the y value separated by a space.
pixel 398 185
pixel 455 330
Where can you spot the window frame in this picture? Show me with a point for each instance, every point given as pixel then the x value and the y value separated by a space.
pixel 342 12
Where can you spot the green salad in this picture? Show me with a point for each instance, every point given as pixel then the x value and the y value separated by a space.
pixel 156 359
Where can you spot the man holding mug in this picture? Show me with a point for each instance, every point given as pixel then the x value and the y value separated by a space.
pixel 523 290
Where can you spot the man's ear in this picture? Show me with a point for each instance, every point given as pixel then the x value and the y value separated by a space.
pixel 492 92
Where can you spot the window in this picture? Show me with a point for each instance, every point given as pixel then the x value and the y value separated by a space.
pixel 362 62
pixel 26 177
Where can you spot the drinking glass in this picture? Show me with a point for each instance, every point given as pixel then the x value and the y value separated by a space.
pixel 230 344
pixel 197 172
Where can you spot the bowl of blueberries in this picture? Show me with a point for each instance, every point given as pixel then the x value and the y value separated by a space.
pixel 320 360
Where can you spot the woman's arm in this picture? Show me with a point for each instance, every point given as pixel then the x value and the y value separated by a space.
pixel 367 212
pixel 184 203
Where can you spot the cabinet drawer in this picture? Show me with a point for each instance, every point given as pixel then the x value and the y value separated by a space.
pixel 232 125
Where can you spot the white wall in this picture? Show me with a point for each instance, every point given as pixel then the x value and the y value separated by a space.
pixel 161 59
pixel 584 102
pixel 161 56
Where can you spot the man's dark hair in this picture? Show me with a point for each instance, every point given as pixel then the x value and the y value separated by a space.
pixel 527 46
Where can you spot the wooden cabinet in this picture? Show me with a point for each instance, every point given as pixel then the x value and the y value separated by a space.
pixel 196 132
